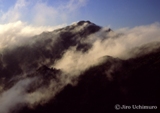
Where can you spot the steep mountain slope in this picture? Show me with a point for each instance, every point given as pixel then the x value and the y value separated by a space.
pixel 130 82
pixel 46 46
pixel 69 70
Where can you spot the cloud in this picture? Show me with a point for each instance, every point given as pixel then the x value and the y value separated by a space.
pixel 45 93
pixel 20 45
pixel 124 46
pixel 44 14
pixel 17 33
pixel 73 5
pixel 20 95
pixel 41 13
pixel 15 96
pixel 15 12
pixel 138 36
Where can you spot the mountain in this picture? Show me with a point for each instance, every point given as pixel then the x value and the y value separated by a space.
pixel 48 45
pixel 32 81
pixel 134 82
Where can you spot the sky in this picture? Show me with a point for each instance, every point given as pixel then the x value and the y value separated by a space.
pixel 138 21
pixel 108 13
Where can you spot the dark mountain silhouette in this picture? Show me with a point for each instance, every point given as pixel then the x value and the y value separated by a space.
pixel 48 45
pixel 134 81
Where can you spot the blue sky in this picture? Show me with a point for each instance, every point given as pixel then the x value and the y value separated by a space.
pixel 111 13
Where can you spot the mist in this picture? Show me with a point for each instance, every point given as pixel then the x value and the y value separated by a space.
pixel 124 43
pixel 24 51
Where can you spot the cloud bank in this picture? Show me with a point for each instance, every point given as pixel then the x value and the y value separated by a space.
pixel 122 44
pixel 17 32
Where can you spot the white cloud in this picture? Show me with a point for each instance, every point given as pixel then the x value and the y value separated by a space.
pixel 44 14
pixel 15 96
pixel 73 5
pixel 15 12
pixel 43 94
pixel 41 13
pixel 139 36
pixel 75 62
pixel 115 45
pixel 16 33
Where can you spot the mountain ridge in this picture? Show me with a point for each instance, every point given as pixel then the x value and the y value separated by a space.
pixel 30 77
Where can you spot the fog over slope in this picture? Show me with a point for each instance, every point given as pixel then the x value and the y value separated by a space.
pixel 81 67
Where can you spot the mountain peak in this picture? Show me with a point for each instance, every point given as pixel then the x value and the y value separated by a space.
pixel 82 22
